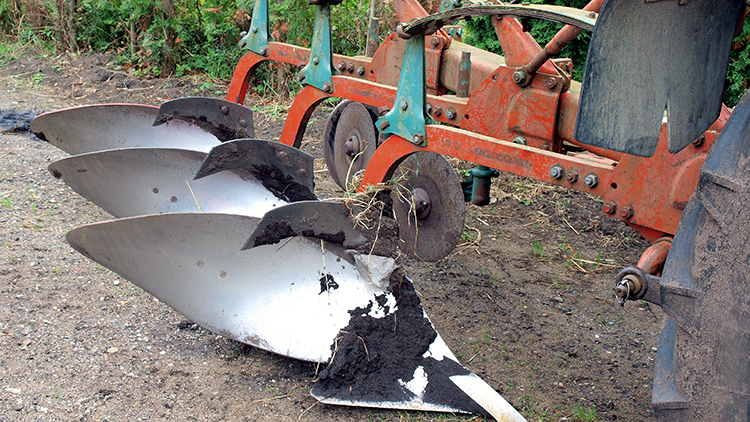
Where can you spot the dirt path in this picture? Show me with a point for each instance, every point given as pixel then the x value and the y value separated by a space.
pixel 525 301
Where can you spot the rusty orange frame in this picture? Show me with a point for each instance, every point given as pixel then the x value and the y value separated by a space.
pixel 649 194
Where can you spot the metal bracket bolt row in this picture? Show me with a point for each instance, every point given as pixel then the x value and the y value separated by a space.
pixel 626 212
pixel 437 111
pixel 557 172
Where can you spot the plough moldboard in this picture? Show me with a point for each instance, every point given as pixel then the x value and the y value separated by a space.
pixel 205 213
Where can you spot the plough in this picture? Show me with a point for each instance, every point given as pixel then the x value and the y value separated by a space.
pixel 205 213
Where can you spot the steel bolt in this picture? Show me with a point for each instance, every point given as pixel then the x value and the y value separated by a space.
pixel 315 61
pixel 341 66
pixel 360 70
pixel 404 105
pixel 437 111
pixel 243 123
pixel 451 113
pixel 281 154
pixel 224 110
pixel 572 176
pixel 418 139
pixel 243 33
pixel 591 180
pixel 301 78
pixel 326 87
pixel 610 207
pixel 557 171
pixel 302 172
pixel 384 125
pixel 520 140
pixel 520 77
pixel 254 29
pixel 550 83
pixel 627 212
pixel 263 51
pixel 698 142
pixel 435 41
pixel 592 15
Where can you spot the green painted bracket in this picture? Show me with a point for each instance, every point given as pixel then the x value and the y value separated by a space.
pixel 256 40
pixel 409 117
pixel 319 70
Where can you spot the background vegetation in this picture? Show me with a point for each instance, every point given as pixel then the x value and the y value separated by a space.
pixel 165 37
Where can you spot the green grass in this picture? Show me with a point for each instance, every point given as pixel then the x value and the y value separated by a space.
pixel 583 413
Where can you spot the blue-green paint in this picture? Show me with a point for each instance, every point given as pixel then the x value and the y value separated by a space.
pixel 319 70
pixel 408 118
pixel 256 39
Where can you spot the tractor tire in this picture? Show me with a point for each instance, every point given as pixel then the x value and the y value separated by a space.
pixel 703 362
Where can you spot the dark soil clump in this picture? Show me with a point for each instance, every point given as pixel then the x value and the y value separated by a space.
pixel 375 357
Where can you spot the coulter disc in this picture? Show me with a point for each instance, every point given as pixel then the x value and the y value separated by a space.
pixel 349 140
pixel 429 206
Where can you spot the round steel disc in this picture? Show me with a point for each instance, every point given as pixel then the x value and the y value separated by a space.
pixel 428 231
pixel 349 140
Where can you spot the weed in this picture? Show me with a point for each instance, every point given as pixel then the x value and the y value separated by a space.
pixel 37 78
pixel 468 236
pixel 584 414
pixel 537 249
pixel 559 284
pixel 8 202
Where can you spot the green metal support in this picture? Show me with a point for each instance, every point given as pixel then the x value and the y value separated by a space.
pixel 256 40
pixel 319 70
pixel 409 117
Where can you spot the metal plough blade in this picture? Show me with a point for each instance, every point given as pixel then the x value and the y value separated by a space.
pixel 329 221
pixel 312 310
pixel 224 119
pixel 138 181
pixel 194 263
pixel 79 130
pixel 285 170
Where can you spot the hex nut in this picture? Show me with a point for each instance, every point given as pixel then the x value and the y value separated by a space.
pixel 591 180
pixel 557 171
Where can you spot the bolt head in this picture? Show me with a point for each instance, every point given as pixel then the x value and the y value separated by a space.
pixel 243 122
pixel 326 87
pixel 224 110
pixel 360 70
pixel 340 66
pixel 435 41
pixel 556 172
pixel 450 114
pixel 254 29
pixel 263 51
pixel 626 212
pixel 551 83
pixel 404 105
pixel 572 176
pixel 591 180
pixel 519 77
pixel 315 60
pixel 418 139
pixel 520 140
pixel 610 207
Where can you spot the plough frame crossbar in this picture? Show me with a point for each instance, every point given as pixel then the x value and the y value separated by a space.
pixel 521 128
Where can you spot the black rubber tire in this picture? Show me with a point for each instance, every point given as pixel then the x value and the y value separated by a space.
pixel 703 362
